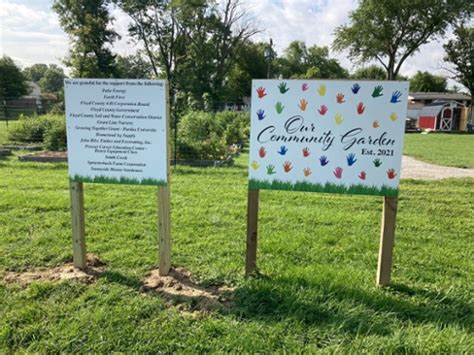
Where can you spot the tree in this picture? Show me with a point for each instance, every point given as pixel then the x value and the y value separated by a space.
pixel 460 53
pixel 133 67
pixel 53 79
pixel 87 22
pixel 35 72
pixel 371 72
pixel 12 81
pixel 301 62
pixel 427 82
pixel 391 31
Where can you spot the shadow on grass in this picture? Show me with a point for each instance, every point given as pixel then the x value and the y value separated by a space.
pixel 119 278
pixel 350 309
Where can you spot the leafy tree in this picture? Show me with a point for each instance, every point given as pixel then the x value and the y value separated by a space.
pixel 427 82
pixel 298 61
pixel 133 67
pixel 460 53
pixel 88 24
pixel 12 81
pixel 53 79
pixel 371 72
pixel 35 72
pixel 390 31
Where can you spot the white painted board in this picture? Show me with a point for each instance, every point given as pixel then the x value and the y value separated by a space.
pixel 341 136
pixel 116 130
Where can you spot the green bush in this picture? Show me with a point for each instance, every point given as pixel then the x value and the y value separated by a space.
pixel 47 129
pixel 206 135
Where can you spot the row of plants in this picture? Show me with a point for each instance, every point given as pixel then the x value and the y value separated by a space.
pixel 200 135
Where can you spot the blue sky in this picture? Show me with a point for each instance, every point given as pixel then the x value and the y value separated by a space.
pixel 30 31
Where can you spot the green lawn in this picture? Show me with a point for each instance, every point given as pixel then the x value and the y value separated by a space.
pixel 4 130
pixel 443 149
pixel 317 253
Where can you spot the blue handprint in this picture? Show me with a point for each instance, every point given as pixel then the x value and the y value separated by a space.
pixel 283 150
pixel 355 88
pixel 351 159
pixel 323 160
pixel 261 114
pixel 396 97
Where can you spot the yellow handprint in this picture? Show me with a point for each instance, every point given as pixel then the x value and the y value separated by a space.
pixel 255 165
pixel 322 90
pixel 393 116
pixel 338 118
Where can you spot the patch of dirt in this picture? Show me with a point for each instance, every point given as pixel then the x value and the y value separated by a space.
pixel 65 272
pixel 416 169
pixel 45 157
pixel 179 289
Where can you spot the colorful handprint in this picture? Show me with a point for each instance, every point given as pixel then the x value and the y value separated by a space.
pixel 323 160
pixel 304 87
pixel 338 172
pixel 271 169
pixel 262 152
pixel 322 90
pixel 393 116
pixel 255 165
pixel 306 152
pixel 307 172
pixel 360 108
pixel 396 97
pixel 261 114
pixel 283 150
pixel 391 174
pixel 340 98
pixel 287 167
pixel 351 159
pixel 338 118
pixel 362 175
pixel 376 124
pixel 377 162
pixel 377 91
pixel 283 88
pixel 355 88
pixel 322 110
pixel 261 92
pixel 279 107
pixel 303 104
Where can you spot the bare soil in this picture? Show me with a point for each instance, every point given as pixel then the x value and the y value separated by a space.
pixel 65 272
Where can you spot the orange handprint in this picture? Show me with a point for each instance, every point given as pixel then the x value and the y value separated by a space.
pixel 303 104
pixel 307 171
pixel 376 124
pixel 340 98
pixel 287 167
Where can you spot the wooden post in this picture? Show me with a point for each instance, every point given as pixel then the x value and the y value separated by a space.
pixel 164 225
pixel 252 231
pixel 387 238
pixel 78 226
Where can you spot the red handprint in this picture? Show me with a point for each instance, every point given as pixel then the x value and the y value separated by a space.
pixel 340 98
pixel 360 108
pixel 306 152
pixel 362 175
pixel 338 172
pixel 262 152
pixel 261 92
pixel 307 171
pixel 391 174
pixel 322 110
pixel 287 167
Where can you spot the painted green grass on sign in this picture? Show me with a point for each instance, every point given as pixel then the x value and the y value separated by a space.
pixel 327 188
pixel 121 180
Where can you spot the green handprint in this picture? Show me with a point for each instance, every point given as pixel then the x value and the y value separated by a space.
pixel 377 162
pixel 377 91
pixel 271 169
pixel 279 107
pixel 283 88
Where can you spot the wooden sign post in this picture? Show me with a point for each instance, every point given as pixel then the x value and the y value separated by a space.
pixel 117 133
pixel 327 136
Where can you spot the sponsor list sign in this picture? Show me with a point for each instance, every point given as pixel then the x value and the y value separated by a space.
pixel 327 136
pixel 116 130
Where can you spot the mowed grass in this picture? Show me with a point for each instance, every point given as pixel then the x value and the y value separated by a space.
pixel 440 148
pixel 317 255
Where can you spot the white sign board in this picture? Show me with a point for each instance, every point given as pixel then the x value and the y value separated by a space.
pixel 117 130
pixel 327 136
